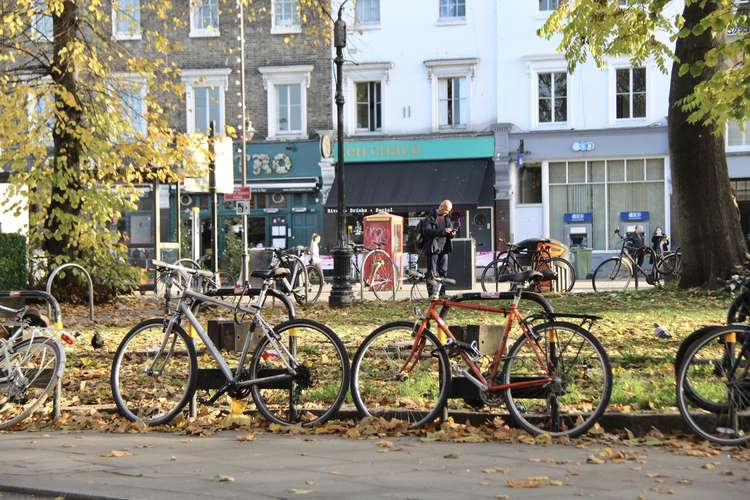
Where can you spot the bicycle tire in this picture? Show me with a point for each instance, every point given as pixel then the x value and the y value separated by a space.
pixel 444 376
pixel 709 425
pixel 581 425
pixel 494 270
pixel 315 282
pixel 621 268
pixel 382 275
pixel 259 357
pixel 191 384
pixel 56 373
pixel 739 309
pixel 566 274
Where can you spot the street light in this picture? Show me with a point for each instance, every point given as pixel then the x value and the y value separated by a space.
pixel 341 293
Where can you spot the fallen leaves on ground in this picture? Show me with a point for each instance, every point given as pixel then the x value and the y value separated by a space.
pixel 222 478
pixel 247 437
pixel 117 454
pixel 533 482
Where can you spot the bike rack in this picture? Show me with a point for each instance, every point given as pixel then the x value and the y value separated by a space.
pixel 56 404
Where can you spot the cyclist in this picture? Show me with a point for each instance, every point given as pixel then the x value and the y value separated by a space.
pixel 437 230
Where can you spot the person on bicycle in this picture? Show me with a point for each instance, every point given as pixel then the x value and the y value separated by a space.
pixel 437 231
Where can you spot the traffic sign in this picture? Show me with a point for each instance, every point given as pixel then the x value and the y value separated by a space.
pixel 242 207
pixel 241 193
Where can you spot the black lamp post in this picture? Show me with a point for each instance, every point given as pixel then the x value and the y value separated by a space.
pixel 341 293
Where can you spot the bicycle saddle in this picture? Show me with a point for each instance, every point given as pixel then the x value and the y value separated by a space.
pixel 528 276
pixel 270 273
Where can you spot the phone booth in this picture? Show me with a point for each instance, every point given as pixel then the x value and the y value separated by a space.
pixel 385 231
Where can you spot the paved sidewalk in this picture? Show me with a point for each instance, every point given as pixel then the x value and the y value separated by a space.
pixel 86 465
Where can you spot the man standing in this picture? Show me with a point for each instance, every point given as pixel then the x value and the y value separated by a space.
pixel 437 231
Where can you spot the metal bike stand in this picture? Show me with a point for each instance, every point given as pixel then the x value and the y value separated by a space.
pixel 57 397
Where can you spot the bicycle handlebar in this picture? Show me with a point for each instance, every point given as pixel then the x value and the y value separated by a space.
pixel 180 269
pixel 39 294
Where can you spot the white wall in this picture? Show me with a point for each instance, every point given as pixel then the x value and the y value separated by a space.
pixel 409 34
pixel 9 223
pixel 591 90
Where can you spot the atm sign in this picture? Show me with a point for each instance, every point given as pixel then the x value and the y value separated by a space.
pixel 634 216
pixel 578 217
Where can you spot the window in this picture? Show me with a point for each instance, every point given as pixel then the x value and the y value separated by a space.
pixel 205 99
pixel 41 22
pixel 736 136
pixel 553 97
pixel 630 93
pixel 126 19
pixel 289 108
pixel 41 114
pixel 529 184
pixel 132 97
pixel 453 102
pixel 204 18
pixel 369 107
pixel 285 16
pixel 452 9
pixel 548 5
pixel 367 12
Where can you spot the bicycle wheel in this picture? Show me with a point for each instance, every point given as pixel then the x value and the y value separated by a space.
pixel 581 386
pixel 566 274
pixel 387 381
pixel 381 275
pixel 669 265
pixel 154 375
pixel 739 309
pixel 716 367
pixel 301 283
pixel 318 389
pixel 314 284
pixel 492 272
pixel 614 273
pixel 27 376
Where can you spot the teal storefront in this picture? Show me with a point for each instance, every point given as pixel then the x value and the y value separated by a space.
pixel 410 176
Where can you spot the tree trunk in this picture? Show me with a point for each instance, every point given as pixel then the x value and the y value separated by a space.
pixel 67 146
pixel 708 229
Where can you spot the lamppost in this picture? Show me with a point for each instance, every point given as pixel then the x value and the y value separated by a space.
pixel 341 293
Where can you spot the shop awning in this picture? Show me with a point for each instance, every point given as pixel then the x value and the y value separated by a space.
pixel 416 184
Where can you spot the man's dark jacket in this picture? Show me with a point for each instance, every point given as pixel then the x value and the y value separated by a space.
pixel 431 231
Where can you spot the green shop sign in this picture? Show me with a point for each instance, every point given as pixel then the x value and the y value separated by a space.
pixel 418 149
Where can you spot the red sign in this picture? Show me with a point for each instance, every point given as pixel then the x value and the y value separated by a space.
pixel 241 193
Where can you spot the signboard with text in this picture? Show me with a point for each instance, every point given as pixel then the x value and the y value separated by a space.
pixel 634 216
pixel 240 193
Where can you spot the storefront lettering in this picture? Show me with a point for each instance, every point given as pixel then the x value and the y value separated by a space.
pixel 376 151
pixel 360 210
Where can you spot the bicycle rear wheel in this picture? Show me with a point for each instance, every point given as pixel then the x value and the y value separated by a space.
pixel 581 380
pixel 314 284
pixel 28 376
pixel 491 273
pixel 566 274
pixel 387 381
pixel 716 369
pixel 381 275
pixel 613 274
pixel 154 375
pixel 315 394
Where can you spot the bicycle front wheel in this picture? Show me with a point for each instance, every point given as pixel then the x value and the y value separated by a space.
pixel 566 274
pixel 154 374
pixel 615 273
pixel 316 392
pixel 581 384
pixel 314 284
pixel 715 369
pixel 392 377
pixel 493 271
pixel 27 376
pixel 381 275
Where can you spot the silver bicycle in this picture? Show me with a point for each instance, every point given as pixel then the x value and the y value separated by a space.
pixel 296 372
pixel 32 360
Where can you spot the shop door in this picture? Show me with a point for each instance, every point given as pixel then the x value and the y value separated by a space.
pixel 480 228
pixel 256 232
pixel 303 227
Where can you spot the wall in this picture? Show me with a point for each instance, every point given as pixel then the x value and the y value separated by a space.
pixel 9 223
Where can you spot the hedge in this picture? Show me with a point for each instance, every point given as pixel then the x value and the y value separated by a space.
pixel 13 263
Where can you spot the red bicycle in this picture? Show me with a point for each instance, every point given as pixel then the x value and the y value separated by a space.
pixel 556 377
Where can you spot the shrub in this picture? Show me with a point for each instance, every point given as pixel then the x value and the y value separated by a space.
pixel 13 262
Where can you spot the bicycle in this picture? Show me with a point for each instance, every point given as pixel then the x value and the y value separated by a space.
pixel 403 370
pixel 31 360
pixel 621 270
pixel 154 371
pixel 305 283
pixel 378 272
pixel 533 253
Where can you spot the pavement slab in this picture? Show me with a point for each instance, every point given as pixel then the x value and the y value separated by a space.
pixel 166 466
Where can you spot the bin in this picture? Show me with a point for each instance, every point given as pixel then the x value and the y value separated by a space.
pixel 581 262
pixel 462 264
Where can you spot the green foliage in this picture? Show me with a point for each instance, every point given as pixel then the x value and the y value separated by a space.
pixel 13 262
pixel 231 260
pixel 645 30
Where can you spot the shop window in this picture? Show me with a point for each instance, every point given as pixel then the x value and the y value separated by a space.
pixel 369 107
pixel 577 171
pixel 595 171
pixel 616 170
pixel 630 93
pixel 530 184
pixel 654 169
pixel 168 213
pixel 553 97
pixel 557 172
pixel 635 170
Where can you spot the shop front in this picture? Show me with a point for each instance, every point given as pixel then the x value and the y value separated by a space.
pixel 410 177
pixel 578 187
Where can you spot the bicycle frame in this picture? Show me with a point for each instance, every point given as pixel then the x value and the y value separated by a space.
pixel 475 376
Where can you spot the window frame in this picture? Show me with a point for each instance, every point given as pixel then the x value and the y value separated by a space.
pixel 277 106
pixel 215 77
pixel 137 82
pixel 282 75
pixel 554 96
pixel 620 65
pixel 359 73
pixel 451 100
pixel 378 102
pixel 438 69
pixel 737 147
pixel 36 18
pixel 286 29
pixel 118 35
pixel 553 63
pixel 631 93
pixel 203 32
pixel 546 12
pixel 359 24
